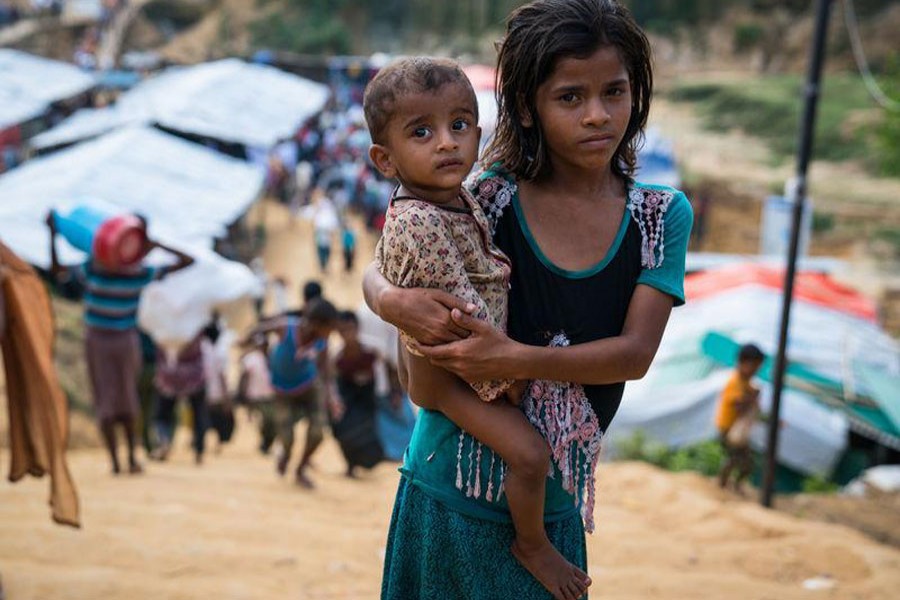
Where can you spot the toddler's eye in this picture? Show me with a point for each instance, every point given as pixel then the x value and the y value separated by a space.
pixel 421 132
pixel 460 125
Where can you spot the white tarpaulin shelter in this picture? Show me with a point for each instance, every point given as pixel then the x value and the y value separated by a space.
pixel 227 100
pixel 832 332
pixel 188 193
pixel 30 84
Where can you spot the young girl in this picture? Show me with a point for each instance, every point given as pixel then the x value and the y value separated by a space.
pixel 598 263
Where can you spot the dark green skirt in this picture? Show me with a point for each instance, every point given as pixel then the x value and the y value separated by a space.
pixel 436 553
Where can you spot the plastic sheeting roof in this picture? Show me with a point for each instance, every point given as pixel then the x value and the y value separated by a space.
pixel 188 193
pixel 30 84
pixel 814 288
pixel 228 100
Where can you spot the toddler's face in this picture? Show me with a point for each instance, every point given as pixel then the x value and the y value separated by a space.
pixel 432 140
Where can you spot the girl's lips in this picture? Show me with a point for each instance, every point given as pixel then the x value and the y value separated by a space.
pixel 597 140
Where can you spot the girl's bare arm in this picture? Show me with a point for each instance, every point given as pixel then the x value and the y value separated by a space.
pixel 489 353
pixel 422 313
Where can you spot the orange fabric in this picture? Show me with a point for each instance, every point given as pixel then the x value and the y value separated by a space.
pixel 38 411
pixel 734 393
pixel 814 288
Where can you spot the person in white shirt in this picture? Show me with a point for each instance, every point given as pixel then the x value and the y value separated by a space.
pixel 214 349
pixel 255 389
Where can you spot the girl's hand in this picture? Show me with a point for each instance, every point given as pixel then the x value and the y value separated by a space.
pixel 487 353
pixel 425 314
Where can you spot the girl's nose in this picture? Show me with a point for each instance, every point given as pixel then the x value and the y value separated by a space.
pixel 595 113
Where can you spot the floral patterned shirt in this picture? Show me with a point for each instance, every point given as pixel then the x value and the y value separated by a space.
pixel 447 248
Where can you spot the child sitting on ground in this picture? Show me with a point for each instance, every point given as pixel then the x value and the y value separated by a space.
pixel 423 119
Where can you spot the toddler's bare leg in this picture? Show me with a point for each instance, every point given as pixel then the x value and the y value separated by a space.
pixel 504 429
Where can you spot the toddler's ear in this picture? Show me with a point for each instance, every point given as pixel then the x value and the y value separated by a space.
pixel 381 158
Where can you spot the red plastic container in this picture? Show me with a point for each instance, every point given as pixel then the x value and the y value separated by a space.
pixel 120 241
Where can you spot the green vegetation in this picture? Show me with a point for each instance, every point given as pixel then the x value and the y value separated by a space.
pixel 747 36
pixel 819 485
pixel 343 26
pixel 849 125
pixel 303 26
pixel 887 136
pixel 704 458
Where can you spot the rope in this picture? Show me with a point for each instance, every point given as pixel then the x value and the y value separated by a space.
pixel 862 63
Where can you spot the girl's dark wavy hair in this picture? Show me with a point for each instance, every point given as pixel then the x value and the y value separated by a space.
pixel 538 35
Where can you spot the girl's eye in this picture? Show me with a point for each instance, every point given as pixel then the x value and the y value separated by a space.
pixel 616 91
pixel 421 132
pixel 460 125
pixel 568 97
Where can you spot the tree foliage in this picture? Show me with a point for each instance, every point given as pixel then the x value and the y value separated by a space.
pixel 334 26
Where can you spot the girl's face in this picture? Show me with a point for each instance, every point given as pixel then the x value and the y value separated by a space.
pixel 584 108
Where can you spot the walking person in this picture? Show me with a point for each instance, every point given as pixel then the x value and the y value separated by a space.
pixel 112 344
pixel 354 369
pixel 181 376
pixel 255 388
pixel 301 377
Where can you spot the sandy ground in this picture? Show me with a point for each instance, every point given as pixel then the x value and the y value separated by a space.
pixel 231 529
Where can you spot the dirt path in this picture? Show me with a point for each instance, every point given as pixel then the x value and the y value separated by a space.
pixel 232 530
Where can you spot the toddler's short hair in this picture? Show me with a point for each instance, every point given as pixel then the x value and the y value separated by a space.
pixel 408 76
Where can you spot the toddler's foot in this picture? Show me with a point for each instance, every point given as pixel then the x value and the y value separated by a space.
pixel 135 468
pixel 561 578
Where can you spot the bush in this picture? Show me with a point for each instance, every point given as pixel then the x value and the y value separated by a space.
pixel 819 485
pixel 822 222
pixel 705 457
pixel 747 36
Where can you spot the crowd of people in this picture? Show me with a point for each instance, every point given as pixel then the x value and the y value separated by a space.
pixel 324 175
pixel 287 373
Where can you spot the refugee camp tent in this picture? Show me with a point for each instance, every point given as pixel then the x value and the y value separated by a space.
pixel 834 341
pixel 251 105
pixel 189 194
pixel 30 84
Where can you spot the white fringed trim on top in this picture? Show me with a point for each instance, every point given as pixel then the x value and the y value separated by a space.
pixel 648 209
